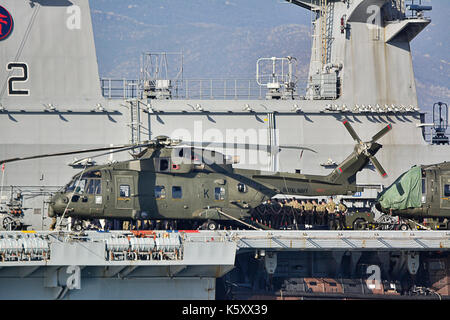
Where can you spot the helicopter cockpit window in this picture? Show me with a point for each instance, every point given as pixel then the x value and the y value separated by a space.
pixel 124 191
pixel 93 174
pixel 70 186
pixel 242 187
pixel 93 186
pixel 160 192
pixel 447 190
pixel 84 184
pixel 77 186
pixel 97 186
pixel 177 193
pixel 219 193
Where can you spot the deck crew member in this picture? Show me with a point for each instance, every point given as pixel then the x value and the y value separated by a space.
pixel 296 209
pixel 321 210
pixel 309 207
pixel 302 213
pixel 342 212
pixel 331 210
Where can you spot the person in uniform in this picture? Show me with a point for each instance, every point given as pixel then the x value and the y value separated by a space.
pixel 331 210
pixel 296 211
pixel 308 212
pixel 267 212
pixel 277 210
pixel 320 213
pixel 314 213
pixel 342 209
pixel 302 213
pixel 289 216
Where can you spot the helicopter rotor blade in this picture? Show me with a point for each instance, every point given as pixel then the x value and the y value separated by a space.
pixel 381 133
pixel 350 130
pixel 378 166
pixel 293 147
pixel 111 149
pixel 121 150
pixel 245 146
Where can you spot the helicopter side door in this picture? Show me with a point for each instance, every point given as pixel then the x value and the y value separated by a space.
pixel 95 197
pixel 212 192
pixel 125 192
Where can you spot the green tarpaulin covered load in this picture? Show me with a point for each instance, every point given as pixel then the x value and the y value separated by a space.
pixel 405 192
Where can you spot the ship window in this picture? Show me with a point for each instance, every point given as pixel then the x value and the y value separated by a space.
pixel 219 193
pixel 124 191
pixel 177 193
pixel 160 192
pixel 242 187
pixel 447 190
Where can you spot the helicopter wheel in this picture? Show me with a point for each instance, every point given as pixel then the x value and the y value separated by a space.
pixel 211 225
pixel 77 225
pixel 403 227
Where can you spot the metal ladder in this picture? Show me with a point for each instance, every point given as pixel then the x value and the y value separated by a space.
pixel 135 121
pixel 322 34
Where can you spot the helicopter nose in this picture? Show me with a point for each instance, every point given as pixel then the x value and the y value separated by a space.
pixel 57 205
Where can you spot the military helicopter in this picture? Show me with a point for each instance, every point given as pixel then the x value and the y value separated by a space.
pixel 176 180
pixel 422 194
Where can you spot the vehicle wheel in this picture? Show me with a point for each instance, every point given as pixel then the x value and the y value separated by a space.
pixel 403 227
pixel 8 223
pixel 211 225
pixel 358 224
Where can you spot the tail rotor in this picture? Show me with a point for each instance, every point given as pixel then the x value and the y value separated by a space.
pixel 369 148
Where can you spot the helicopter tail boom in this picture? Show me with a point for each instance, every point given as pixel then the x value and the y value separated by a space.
pixel 364 152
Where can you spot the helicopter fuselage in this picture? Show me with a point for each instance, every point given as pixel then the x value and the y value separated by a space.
pixel 157 188
pixel 195 183
pixel 138 192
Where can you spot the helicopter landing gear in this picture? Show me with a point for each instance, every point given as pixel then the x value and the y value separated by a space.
pixel 404 227
pixel 209 225
pixel 82 225
pixel 77 225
